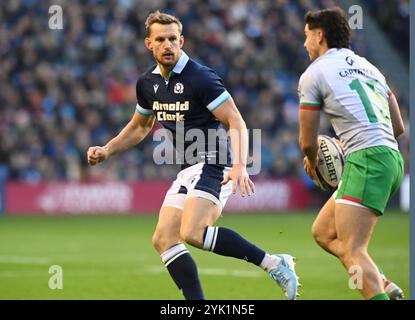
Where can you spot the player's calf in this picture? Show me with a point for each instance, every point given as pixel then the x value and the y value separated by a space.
pixel 183 270
pixel 163 242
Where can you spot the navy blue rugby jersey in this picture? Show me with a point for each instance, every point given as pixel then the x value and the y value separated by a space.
pixel 183 105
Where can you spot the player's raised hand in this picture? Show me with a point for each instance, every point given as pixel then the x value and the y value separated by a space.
pixel 239 176
pixel 96 155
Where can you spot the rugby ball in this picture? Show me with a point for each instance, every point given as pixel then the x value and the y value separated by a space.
pixel 330 163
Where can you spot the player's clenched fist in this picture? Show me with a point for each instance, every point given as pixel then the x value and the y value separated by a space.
pixel 97 155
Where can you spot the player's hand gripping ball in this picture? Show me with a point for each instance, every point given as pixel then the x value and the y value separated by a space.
pixel 330 163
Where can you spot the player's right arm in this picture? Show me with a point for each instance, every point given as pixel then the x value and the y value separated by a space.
pixel 309 120
pixel 397 122
pixel 132 134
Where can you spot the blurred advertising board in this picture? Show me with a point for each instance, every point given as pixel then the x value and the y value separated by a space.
pixel 139 197
pixel 2 209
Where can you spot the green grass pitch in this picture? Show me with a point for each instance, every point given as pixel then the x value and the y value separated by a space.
pixel 112 257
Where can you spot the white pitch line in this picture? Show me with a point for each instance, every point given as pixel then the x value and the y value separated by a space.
pixel 152 270
pixel 214 272
pixel 25 260
pixel 233 273
pixel 21 274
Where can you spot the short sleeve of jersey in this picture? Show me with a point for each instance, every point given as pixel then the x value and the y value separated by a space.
pixel 388 90
pixel 142 107
pixel 211 88
pixel 309 92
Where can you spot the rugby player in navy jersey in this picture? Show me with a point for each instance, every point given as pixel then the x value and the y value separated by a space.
pixel 180 93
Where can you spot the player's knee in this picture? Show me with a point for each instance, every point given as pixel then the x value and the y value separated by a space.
pixel 315 231
pixel 319 237
pixel 161 243
pixel 156 241
pixel 192 237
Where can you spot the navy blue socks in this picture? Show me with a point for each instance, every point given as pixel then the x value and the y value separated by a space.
pixel 226 242
pixel 183 270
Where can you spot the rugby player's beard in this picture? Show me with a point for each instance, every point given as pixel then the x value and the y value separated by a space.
pixel 168 64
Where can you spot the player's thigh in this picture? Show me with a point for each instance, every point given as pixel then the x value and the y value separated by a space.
pixel 324 227
pixel 355 226
pixel 198 213
pixel 167 232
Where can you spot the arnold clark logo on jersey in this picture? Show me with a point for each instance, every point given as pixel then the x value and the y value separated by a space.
pixel 164 110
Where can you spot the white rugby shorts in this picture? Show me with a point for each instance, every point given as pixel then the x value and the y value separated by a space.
pixel 200 180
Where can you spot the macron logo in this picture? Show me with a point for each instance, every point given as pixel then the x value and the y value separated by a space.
pixel 156 87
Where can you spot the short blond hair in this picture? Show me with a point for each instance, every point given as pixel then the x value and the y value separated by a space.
pixel 162 18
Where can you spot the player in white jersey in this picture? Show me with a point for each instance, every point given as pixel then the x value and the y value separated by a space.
pixel 365 116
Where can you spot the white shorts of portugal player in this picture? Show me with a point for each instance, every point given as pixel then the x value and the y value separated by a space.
pixel 200 180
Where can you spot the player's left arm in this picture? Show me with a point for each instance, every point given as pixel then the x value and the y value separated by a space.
pixel 308 140
pixel 397 122
pixel 228 114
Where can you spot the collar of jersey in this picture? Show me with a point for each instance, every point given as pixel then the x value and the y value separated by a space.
pixel 328 52
pixel 178 68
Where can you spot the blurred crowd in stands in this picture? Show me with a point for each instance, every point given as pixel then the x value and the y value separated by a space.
pixel 65 90
pixel 393 18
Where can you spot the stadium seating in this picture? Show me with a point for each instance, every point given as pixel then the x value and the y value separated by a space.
pixel 64 90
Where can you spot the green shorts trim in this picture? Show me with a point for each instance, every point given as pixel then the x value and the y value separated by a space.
pixel 371 176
